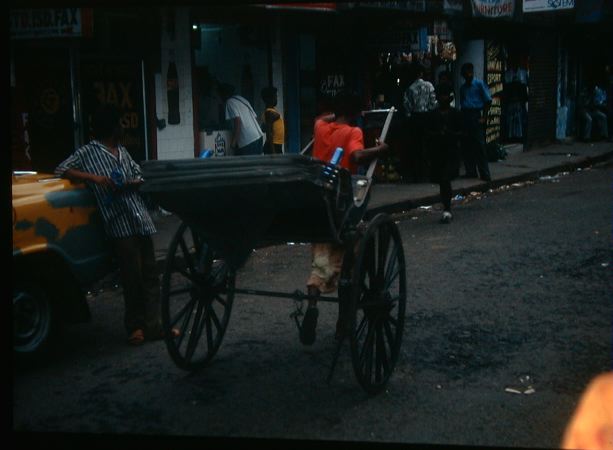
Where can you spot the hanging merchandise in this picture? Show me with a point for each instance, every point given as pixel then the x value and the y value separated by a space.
pixel 448 51
pixel 172 85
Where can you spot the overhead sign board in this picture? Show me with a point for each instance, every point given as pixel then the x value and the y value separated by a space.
pixel 547 5
pixel 493 8
pixel 51 23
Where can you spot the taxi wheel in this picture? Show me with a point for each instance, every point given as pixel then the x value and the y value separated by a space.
pixel 32 321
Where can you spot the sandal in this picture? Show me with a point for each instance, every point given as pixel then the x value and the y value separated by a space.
pixel 137 337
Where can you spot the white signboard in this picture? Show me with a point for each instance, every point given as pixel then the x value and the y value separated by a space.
pixel 493 8
pixel 547 5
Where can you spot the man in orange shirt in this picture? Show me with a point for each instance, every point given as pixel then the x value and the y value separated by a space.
pixel 332 131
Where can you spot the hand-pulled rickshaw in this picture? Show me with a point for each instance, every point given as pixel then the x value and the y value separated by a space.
pixel 231 205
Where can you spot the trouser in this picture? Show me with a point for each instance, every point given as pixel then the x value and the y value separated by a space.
pixel 254 148
pixel 272 149
pixel 595 116
pixel 140 282
pixel 445 190
pixel 473 144
pixel 418 161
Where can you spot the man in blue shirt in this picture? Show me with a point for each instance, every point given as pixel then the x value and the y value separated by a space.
pixel 475 101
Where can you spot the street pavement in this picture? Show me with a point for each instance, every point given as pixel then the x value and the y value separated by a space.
pixel 519 166
pixel 508 317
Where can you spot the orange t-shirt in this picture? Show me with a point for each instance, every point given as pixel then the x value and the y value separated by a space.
pixel 330 135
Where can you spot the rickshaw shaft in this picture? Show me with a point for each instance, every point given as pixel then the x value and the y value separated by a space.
pixel 296 295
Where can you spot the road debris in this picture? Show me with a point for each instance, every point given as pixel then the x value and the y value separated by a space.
pixel 526 387
pixel 512 391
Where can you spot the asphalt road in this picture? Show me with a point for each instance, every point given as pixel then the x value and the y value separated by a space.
pixel 514 295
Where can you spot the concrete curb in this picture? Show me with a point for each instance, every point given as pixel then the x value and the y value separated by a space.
pixel 407 205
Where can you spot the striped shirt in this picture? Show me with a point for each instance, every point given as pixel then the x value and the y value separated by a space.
pixel 123 211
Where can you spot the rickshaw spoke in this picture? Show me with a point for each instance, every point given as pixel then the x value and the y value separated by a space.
pixel 221 300
pixel 190 277
pixel 392 262
pixel 361 327
pixel 384 242
pixel 189 304
pixel 369 345
pixel 391 280
pixel 382 363
pixel 196 332
pixel 389 333
pixel 185 323
pixel 209 327
pixel 368 341
pixel 215 318
pixel 187 256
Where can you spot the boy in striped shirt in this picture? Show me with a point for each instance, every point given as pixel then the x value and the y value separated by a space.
pixel 110 172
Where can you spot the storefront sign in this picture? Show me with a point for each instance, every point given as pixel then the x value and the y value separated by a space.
pixel 493 8
pixel 406 5
pixel 547 5
pixel 51 22
pixel 117 84
pixel 332 84
pixel 493 77
pixel 453 6
pixel 301 6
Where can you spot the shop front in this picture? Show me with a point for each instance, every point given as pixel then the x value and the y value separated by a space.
pixel 241 50
pixel 60 74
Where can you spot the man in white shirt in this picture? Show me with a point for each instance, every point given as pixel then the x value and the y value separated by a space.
pixel 419 101
pixel 247 136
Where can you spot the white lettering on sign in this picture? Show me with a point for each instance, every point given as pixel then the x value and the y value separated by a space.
pixel 46 22
pixel 332 84
pixel 547 5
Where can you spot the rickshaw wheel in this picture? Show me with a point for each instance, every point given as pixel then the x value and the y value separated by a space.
pixel 197 297
pixel 378 299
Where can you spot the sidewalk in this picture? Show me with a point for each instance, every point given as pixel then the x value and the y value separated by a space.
pixel 395 197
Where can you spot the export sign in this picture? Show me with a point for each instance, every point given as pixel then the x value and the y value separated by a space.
pixel 547 5
pixel 493 8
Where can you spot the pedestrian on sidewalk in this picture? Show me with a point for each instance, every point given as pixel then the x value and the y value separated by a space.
pixel 419 100
pixel 332 131
pixel 110 172
pixel 444 131
pixel 247 136
pixel 592 109
pixel 274 127
pixel 475 101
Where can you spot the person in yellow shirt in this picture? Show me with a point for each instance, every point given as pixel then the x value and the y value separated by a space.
pixel 274 127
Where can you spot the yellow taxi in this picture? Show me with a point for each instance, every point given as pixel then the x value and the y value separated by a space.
pixel 59 250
